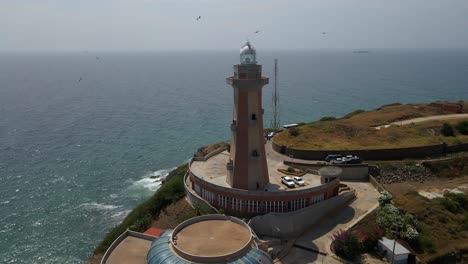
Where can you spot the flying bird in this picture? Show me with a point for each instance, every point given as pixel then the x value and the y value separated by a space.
pixel 97 58
pixel 256 32
pixel 198 18
pixel 323 33
pixel 80 79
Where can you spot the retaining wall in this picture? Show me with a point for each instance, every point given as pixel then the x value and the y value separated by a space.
pixel 374 154
pixel 290 225
pixel 193 197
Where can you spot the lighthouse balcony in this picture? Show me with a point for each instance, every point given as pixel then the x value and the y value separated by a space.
pixel 234 81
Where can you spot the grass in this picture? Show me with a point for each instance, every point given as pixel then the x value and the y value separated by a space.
pixel 442 221
pixel 355 131
pixel 140 218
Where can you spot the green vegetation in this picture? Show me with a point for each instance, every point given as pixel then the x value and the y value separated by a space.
pixel 355 112
pixel 447 130
pixel 455 167
pixel 141 217
pixel 462 127
pixel 357 131
pixel 328 118
pixel 441 231
pixel 293 132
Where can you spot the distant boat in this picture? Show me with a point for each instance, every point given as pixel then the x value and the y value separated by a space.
pixel 361 51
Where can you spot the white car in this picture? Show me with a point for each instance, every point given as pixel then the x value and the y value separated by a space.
pixel 287 181
pixel 298 181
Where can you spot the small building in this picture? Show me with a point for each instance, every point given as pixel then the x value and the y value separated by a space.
pixel 385 245
pixel 207 239
pixel 204 239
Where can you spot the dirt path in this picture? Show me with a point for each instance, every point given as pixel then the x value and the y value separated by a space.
pixel 425 119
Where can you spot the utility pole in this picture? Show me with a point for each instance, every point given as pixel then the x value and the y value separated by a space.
pixel 395 233
pixel 275 122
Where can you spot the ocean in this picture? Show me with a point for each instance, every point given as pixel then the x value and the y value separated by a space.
pixel 80 133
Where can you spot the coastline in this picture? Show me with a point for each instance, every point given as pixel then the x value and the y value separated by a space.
pixel 140 218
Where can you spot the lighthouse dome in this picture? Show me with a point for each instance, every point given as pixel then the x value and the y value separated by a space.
pixel 248 54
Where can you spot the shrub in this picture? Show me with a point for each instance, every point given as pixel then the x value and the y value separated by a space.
pixel 450 205
pixel 410 234
pixel 462 127
pixel 387 216
pixel 347 244
pixel 294 132
pixel 460 198
pixel 423 244
pixel 291 169
pixel 355 112
pixel 328 118
pixel 385 198
pixel 447 130
pixel 465 222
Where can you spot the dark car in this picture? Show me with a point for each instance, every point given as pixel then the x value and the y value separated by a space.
pixel 331 157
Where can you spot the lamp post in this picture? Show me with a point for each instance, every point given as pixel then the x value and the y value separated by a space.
pixel 395 232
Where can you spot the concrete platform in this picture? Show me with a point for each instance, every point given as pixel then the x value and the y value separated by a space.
pixel 131 250
pixel 209 238
pixel 214 171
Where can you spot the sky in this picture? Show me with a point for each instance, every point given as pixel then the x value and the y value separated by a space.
pixel 159 25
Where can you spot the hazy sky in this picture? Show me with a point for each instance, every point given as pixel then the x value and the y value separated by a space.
pixel 140 25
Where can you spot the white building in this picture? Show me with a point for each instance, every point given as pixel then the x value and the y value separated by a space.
pixel 401 253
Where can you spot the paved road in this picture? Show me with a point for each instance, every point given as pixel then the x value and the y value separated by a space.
pixel 424 119
pixel 314 244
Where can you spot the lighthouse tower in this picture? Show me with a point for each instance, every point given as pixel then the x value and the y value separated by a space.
pixel 247 166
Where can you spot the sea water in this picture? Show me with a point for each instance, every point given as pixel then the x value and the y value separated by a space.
pixel 81 133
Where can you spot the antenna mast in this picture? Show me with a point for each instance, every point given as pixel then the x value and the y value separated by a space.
pixel 275 123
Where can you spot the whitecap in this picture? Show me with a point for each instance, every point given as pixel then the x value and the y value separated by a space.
pixel 148 183
pixel 152 181
pixel 5 202
pixel 99 206
pixel 120 215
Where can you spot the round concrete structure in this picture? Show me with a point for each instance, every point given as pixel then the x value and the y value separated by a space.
pixel 211 239
pixel 207 239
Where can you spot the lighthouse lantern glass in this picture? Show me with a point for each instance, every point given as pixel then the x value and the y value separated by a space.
pixel 248 54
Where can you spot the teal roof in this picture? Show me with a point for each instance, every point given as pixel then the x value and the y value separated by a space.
pixel 160 253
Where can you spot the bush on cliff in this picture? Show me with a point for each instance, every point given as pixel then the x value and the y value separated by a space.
pixel 140 218
pixel 328 118
pixel 293 132
pixel 462 127
pixel 447 130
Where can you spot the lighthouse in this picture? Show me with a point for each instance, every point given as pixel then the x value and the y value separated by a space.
pixel 247 166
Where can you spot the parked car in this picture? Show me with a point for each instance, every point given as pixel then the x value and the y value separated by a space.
pixel 350 159
pixel 298 180
pixel 287 181
pixel 331 157
pixel 338 161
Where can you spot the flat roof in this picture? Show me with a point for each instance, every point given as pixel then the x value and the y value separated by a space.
pixel 214 171
pixel 130 250
pixel 213 238
pixel 388 244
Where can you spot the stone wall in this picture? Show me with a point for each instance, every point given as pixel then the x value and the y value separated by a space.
pixel 291 225
pixel 374 154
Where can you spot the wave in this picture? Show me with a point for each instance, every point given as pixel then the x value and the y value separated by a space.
pixel 99 206
pixel 119 216
pixel 152 180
